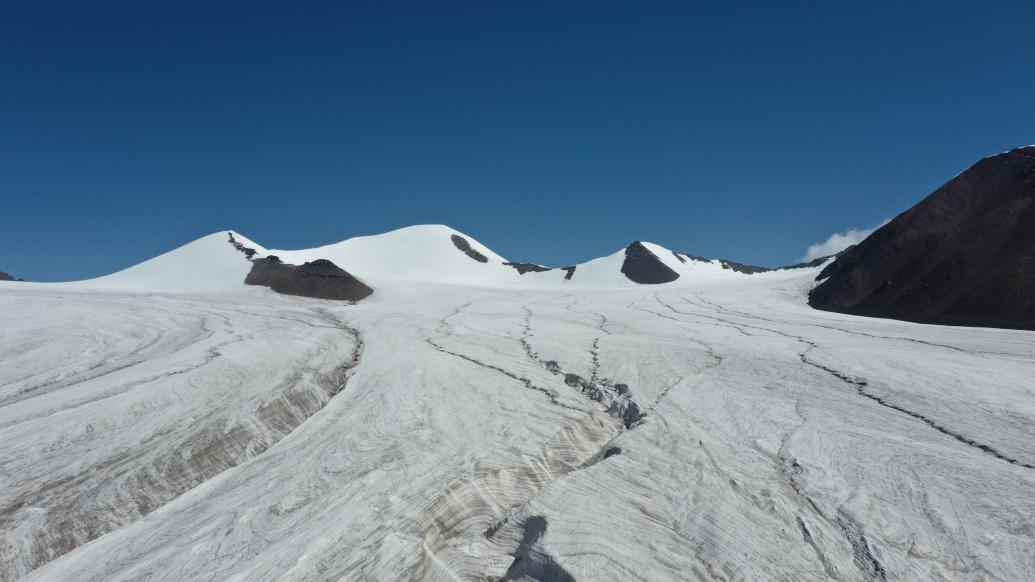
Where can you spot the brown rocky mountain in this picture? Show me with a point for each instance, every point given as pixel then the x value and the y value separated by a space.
pixel 965 255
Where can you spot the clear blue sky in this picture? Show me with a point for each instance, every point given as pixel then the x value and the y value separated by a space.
pixel 551 131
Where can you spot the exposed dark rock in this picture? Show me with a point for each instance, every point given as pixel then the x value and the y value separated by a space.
pixel 320 279
pixel 523 268
pixel 248 251
pixel 742 268
pixel 813 263
pixel 691 257
pixel 729 265
pixel 965 255
pixel 569 271
pixel 574 380
pixel 8 277
pixel 465 246
pixel 644 267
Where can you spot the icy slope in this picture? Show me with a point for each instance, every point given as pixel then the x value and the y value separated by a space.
pixel 208 264
pixel 113 404
pixel 415 253
pixel 495 433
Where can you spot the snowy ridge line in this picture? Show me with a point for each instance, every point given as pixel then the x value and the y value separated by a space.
pixel 860 387
pixel 226 261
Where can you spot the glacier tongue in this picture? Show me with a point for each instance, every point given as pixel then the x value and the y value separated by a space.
pixel 657 433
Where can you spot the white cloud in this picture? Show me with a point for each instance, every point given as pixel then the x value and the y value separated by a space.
pixel 838 242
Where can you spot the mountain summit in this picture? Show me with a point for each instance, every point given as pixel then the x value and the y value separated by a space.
pixel 430 253
pixel 964 255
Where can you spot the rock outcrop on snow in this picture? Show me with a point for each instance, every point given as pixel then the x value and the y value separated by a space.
pixel 465 247
pixel 644 267
pixel 523 268
pixel 319 279
pixel 964 255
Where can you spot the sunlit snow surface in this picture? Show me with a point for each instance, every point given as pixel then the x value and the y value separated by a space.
pixel 429 433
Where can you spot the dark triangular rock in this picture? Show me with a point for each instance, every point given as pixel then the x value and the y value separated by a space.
pixel 643 266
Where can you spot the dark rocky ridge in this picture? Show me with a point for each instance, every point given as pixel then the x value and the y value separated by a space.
pixel 249 252
pixel 752 269
pixel 569 272
pixel 644 267
pixel 814 262
pixel 742 268
pixel 320 279
pixel 523 268
pixel 965 255
pixel 729 265
pixel 465 246
pixel 8 277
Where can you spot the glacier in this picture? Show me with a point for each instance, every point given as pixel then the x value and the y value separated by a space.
pixel 467 422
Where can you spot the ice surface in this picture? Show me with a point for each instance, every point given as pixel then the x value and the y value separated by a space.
pixel 441 431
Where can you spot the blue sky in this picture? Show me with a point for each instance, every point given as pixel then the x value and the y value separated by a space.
pixel 552 132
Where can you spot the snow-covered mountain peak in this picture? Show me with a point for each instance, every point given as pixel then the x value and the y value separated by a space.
pixel 427 253
pixel 208 264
